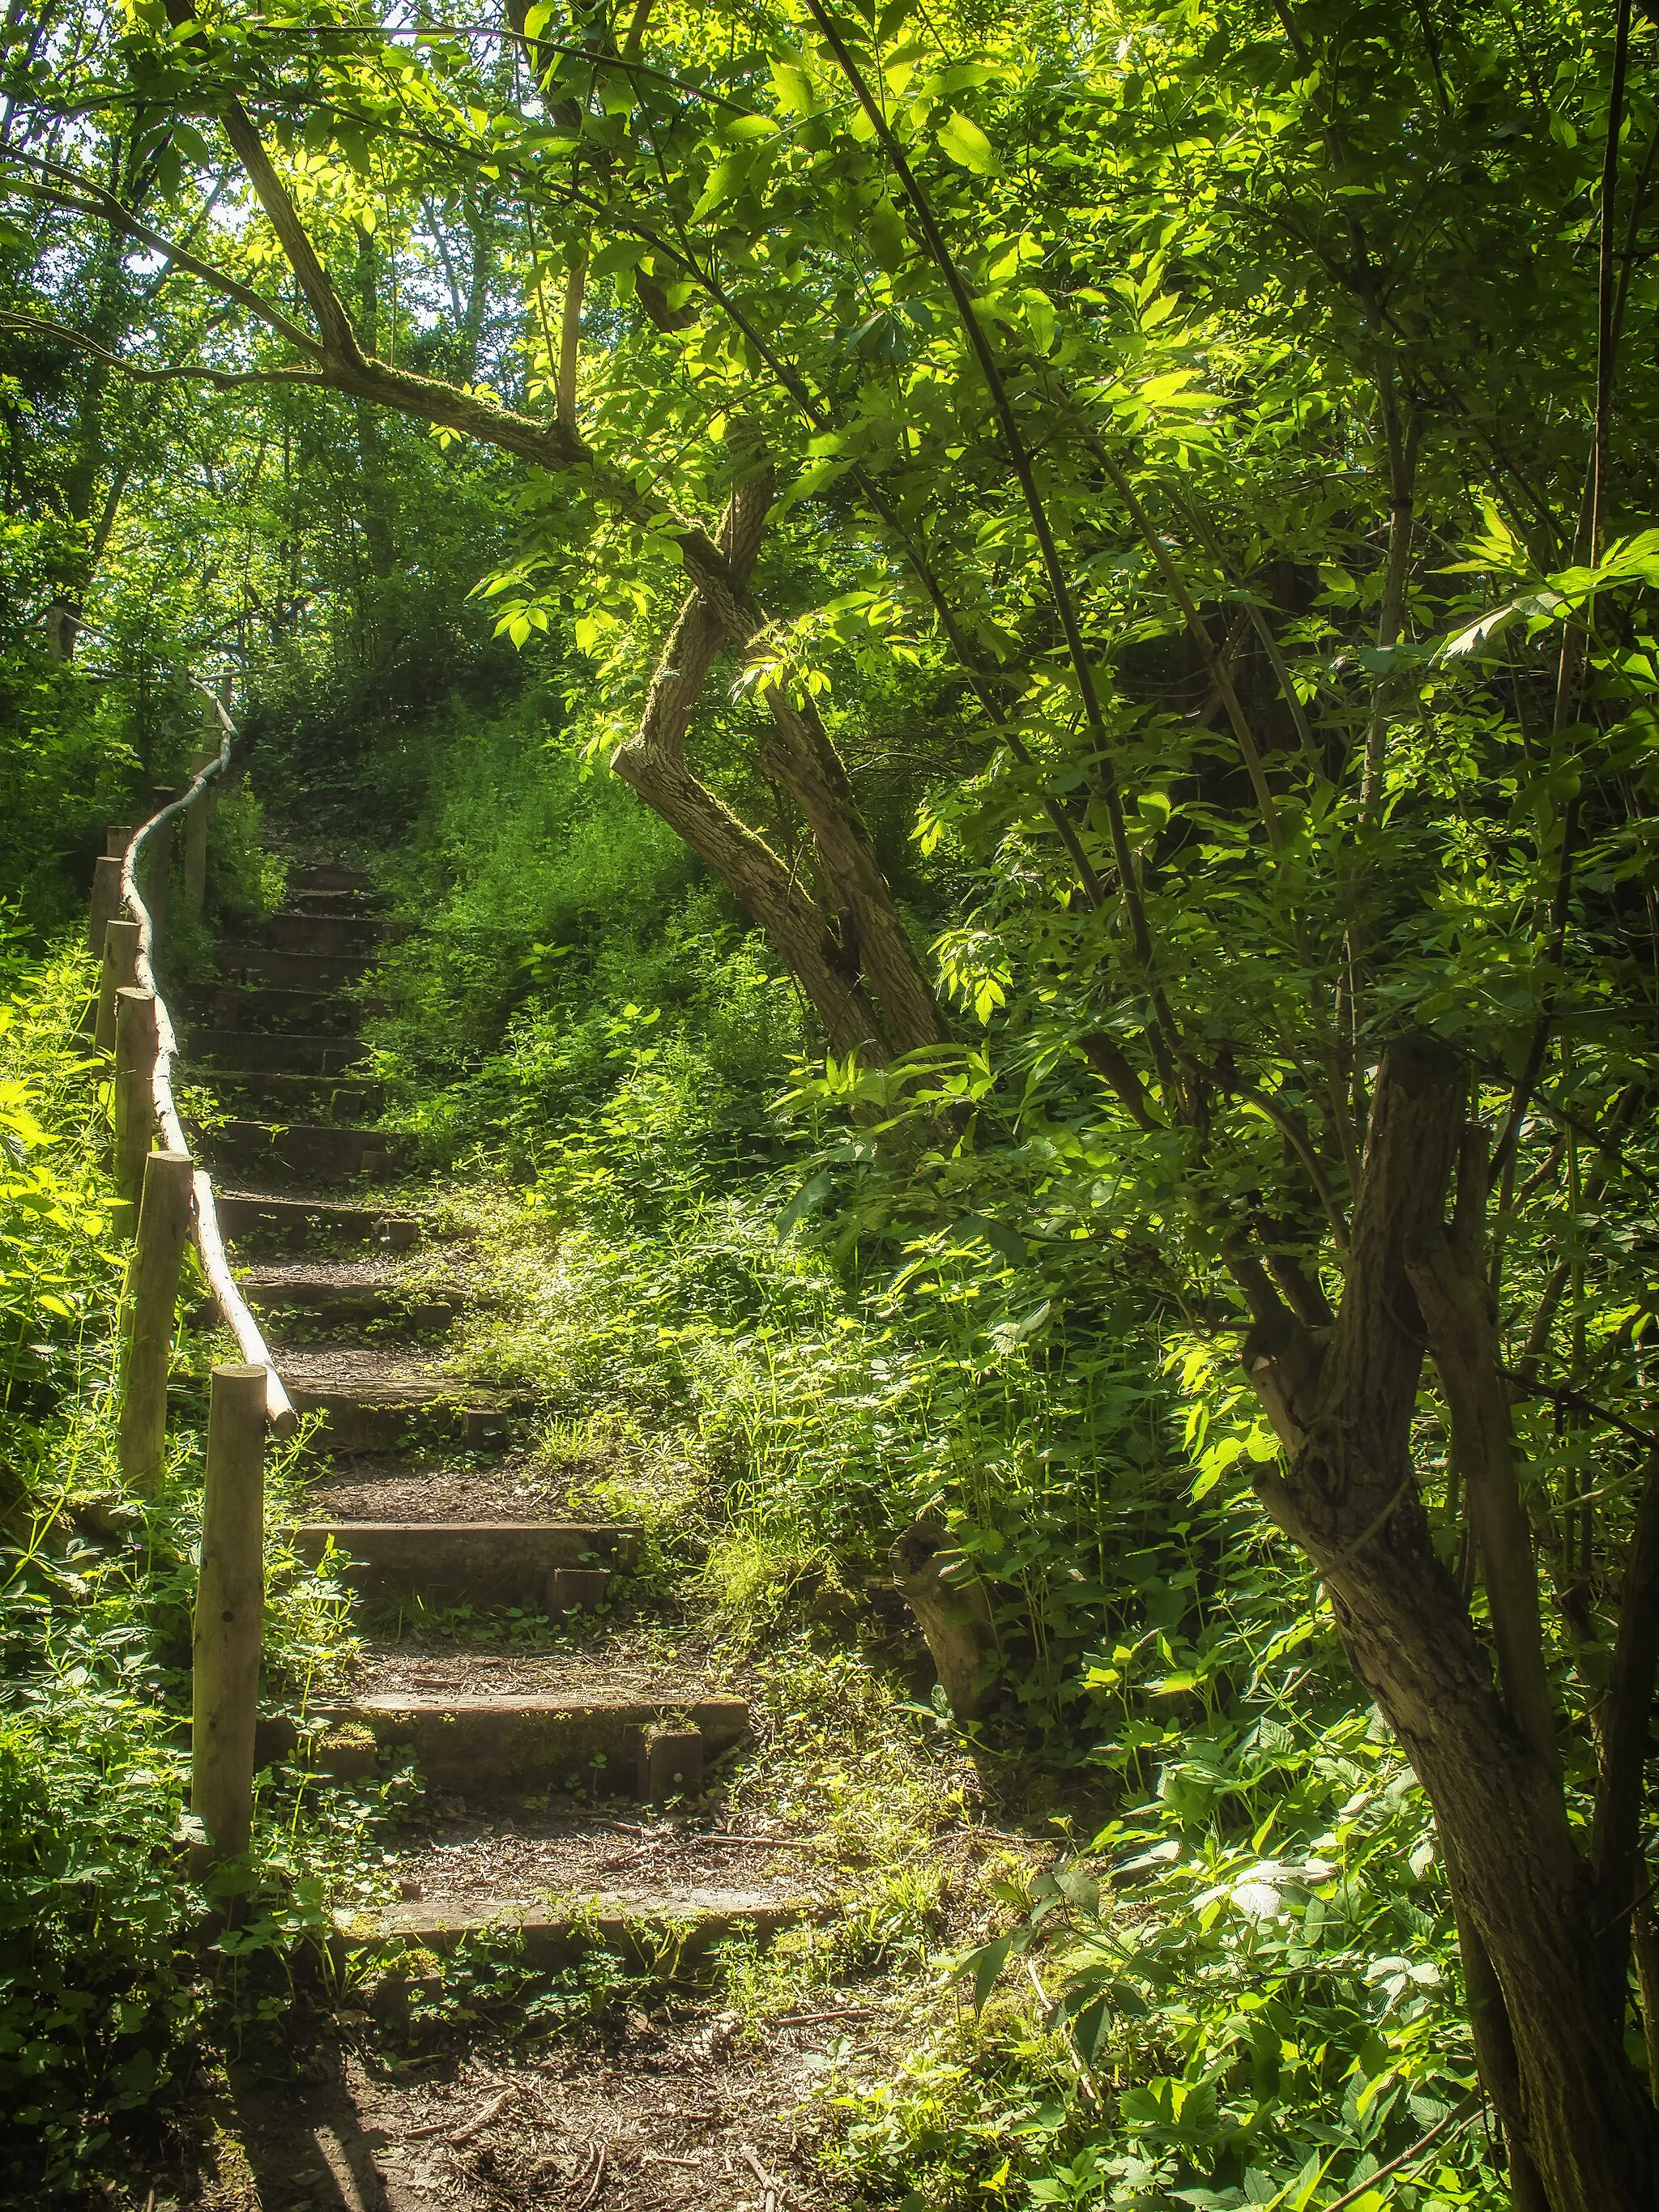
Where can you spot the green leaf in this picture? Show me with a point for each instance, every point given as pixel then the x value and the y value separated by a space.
pixel 967 145
pixel 889 240
pixel 985 1964
pixel 810 1195
pixel 793 88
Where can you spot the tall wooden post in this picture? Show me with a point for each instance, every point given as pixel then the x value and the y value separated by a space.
pixel 157 866
pixel 119 973
pixel 196 825
pixel 229 1614
pixel 105 901
pixel 147 1314
pixel 116 838
pixel 135 1096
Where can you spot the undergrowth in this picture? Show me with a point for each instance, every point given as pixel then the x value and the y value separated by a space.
pixel 116 1969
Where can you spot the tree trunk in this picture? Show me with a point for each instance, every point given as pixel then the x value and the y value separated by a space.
pixel 865 940
pixel 653 762
pixel 1349 1498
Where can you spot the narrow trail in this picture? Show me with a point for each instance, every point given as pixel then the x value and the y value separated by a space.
pixel 570 1795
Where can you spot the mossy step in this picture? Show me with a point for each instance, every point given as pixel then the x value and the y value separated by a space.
pixel 329 934
pixel 322 1099
pixel 293 1224
pixel 364 1414
pixel 246 1008
pixel 551 1565
pixel 329 876
pixel 306 901
pixel 342 1301
pixel 302 970
pixel 275 1052
pixel 311 1152
pixel 505 1746
pixel 660 1934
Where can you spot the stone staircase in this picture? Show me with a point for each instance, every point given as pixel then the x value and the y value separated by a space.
pixel 520 1749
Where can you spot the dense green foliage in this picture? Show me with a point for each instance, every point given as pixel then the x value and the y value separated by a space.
pixel 1199 472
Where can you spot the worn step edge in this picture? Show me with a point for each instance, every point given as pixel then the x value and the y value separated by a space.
pixel 298 1084
pixel 290 1052
pixel 342 1305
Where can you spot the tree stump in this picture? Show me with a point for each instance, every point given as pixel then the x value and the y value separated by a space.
pixel 950 1603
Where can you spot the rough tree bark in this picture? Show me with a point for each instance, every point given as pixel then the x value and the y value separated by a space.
pixel 1572 2107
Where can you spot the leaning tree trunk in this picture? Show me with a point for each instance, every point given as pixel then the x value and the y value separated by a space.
pixel 1573 2106
pixel 858 967
pixel 653 762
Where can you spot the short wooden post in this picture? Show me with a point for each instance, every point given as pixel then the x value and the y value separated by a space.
pixel 116 838
pixel 229 1615
pixel 197 822
pixel 146 1316
pixel 135 1096
pixel 105 901
pixel 120 973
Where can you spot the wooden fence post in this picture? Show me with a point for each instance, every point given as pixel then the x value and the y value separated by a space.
pixel 156 865
pixel 116 838
pixel 229 1615
pixel 152 1295
pixel 197 822
pixel 135 1047
pixel 119 973
pixel 105 901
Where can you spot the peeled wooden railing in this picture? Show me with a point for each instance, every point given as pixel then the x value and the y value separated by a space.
pixel 165 1196
pixel 167 1190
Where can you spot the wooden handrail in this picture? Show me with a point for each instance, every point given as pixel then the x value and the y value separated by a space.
pixel 209 1240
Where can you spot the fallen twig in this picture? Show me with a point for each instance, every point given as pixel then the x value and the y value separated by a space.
pixel 589 2195
pixel 1458 2114
pixel 1085 2079
pixel 480 2121
pixel 773 1842
pixel 841 2012
pixel 661 2158
pixel 470 2128
pixel 769 2183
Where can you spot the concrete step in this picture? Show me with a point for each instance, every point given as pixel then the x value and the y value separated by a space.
pixel 500 1747
pixel 660 1933
pixel 330 935
pixel 343 1300
pixel 329 876
pixel 345 903
pixel 304 1152
pixel 295 1224
pixel 552 1566
pixel 240 1007
pixel 291 1053
pixel 322 1099
pixel 371 1413
pixel 291 971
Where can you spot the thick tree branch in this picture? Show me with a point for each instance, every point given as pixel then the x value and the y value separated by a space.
pixel 89 198
pixel 222 379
